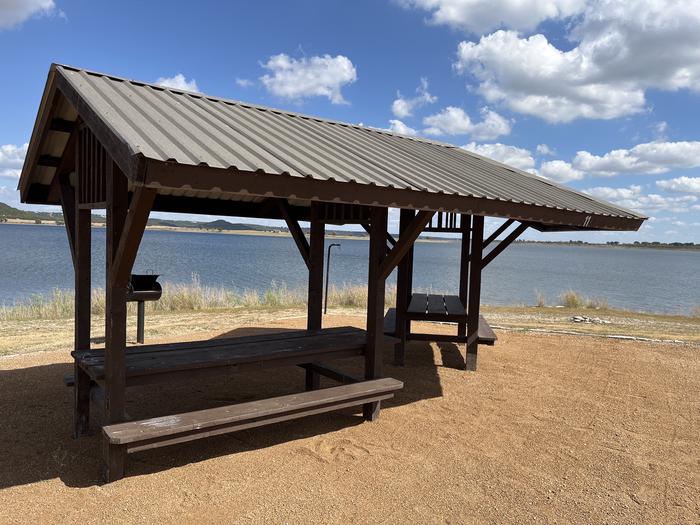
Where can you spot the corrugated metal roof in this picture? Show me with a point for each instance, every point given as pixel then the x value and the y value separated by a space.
pixel 194 129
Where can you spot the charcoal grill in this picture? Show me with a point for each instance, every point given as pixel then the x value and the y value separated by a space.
pixel 142 288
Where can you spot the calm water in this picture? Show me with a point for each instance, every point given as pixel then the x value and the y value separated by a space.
pixel 35 260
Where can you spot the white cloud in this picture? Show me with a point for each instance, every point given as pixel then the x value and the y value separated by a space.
pixel 543 149
pixel 11 159
pixel 632 197
pixel 322 76
pixel 560 171
pixel 180 82
pixel 244 82
pixel 396 126
pixel 14 12
pixel 648 158
pixel 479 16
pixel 404 107
pixel 681 184
pixel 511 155
pixel 454 121
pixel 622 48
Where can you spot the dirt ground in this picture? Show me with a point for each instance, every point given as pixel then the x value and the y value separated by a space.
pixel 550 429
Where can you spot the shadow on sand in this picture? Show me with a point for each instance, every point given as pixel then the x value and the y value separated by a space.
pixel 36 407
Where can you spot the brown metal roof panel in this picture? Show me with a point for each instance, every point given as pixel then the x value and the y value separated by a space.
pixel 170 125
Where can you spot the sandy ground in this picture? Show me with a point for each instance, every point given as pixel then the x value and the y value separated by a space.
pixel 551 429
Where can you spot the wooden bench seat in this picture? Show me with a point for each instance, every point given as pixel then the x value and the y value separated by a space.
pixel 134 436
pixel 151 363
pixel 485 334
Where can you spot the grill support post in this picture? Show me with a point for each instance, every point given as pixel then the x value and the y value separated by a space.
pixel 140 322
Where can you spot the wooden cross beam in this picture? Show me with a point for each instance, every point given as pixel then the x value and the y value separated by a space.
pixel 49 161
pixel 404 243
pixel 62 125
pixel 503 244
pixel 296 231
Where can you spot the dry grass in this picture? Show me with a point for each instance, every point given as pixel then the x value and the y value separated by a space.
pixel 571 299
pixel 194 297
pixel 189 297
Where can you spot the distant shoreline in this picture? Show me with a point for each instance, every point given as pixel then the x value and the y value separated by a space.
pixel 335 234
pixel 181 229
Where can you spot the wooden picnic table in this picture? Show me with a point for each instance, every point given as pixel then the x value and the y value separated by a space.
pixel 442 309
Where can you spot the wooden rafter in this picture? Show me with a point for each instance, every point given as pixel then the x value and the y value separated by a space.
pixel 404 243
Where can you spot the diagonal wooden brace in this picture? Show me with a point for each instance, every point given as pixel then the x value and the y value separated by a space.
pixel 404 243
pixel 296 231
pixel 503 244
pixel 503 227
pixel 134 226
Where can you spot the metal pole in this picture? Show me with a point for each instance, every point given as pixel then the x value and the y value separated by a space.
pixel 328 268
pixel 140 322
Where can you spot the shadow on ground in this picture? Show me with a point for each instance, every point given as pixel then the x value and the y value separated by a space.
pixel 35 435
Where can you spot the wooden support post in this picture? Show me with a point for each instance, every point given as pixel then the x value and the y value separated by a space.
pixel 465 224
pixel 477 242
pixel 316 247
pixel 83 293
pixel 115 307
pixel 375 305
pixel 403 291
pixel 125 226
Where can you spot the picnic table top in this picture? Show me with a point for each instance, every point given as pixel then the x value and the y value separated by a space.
pixel 436 307
pixel 274 349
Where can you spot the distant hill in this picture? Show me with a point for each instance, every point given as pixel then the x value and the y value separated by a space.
pixel 8 212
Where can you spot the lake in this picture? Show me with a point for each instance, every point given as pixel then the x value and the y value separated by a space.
pixel 35 259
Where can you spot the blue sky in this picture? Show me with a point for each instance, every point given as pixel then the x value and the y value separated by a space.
pixel 602 96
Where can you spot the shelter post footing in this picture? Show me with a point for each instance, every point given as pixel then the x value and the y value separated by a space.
pixel 471 357
pixel 114 460
pixel 370 411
